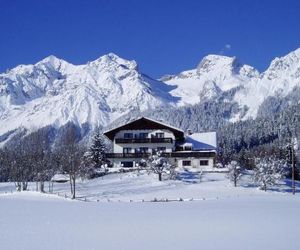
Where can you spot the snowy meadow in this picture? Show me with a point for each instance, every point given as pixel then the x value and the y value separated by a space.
pixel 118 214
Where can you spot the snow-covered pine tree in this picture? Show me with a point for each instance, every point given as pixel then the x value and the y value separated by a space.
pixel 234 172
pixel 96 152
pixel 268 171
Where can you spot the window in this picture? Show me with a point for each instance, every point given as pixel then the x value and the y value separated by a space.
pixel 188 148
pixel 161 149
pixel 143 150
pixel 143 135
pixel 186 163
pixel 159 135
pixel 127 164
pixel 126 150
pixel 203 162
pixel 128 135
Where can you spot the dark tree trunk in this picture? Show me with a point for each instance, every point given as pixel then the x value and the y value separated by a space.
pixel 42 190
pixel 71 185
pixel 24 187
pixel 159 176
pixel 73 182
pixel 18 186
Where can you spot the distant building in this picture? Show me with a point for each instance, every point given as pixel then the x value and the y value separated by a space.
pixel 138 139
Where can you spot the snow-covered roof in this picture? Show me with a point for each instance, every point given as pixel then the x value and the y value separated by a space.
pixel 202 141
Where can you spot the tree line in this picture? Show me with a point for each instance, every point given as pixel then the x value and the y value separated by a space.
pixel 35 158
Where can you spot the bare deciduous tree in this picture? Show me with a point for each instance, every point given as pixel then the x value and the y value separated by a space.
pixel 18 159
pixel 38 154
pixel 71 158
pixel 158 164
pixel 234 172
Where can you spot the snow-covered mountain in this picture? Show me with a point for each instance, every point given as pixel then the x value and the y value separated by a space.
pixel 213 75
pixel 55 92
pixel 216 74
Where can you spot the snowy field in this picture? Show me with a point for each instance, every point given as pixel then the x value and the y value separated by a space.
pixel 219 217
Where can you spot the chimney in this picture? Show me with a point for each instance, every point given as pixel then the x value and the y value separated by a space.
pixel 189 132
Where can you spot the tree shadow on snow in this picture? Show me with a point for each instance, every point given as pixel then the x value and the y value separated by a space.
pixel 194 177
pixel 285 187
pixel 248 185
pixel 189 177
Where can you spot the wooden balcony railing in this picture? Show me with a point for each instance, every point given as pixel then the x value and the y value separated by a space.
pixel 172 154
pixel 127 155
pixel 196 154
pixel 143 140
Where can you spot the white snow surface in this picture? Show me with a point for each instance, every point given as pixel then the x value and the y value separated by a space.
pixel 54 92
pixel 205 140
pixel 228 217
pixel 217 73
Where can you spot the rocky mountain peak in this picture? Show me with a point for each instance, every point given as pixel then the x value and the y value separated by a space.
pixel 113 61
pixel 217 62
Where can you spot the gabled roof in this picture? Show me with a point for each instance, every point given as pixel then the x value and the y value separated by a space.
pixel 145 123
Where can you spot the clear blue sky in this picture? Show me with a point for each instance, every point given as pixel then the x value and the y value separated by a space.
pixel 162 36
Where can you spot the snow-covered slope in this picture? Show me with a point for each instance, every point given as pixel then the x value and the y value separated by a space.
pixel 216 74
pixel 213 75
pixel 282 76
pixel 53 92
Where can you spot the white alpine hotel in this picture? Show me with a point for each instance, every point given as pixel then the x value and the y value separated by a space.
pixel 138 139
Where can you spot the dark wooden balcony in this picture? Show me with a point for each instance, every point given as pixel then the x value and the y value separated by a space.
pixel 143 140
pixel 196 154
pixel 127 155
pixel 172 154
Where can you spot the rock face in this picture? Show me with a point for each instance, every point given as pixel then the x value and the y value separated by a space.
pixel 55 92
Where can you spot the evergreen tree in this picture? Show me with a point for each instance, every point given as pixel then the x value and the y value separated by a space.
pixel 96 154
